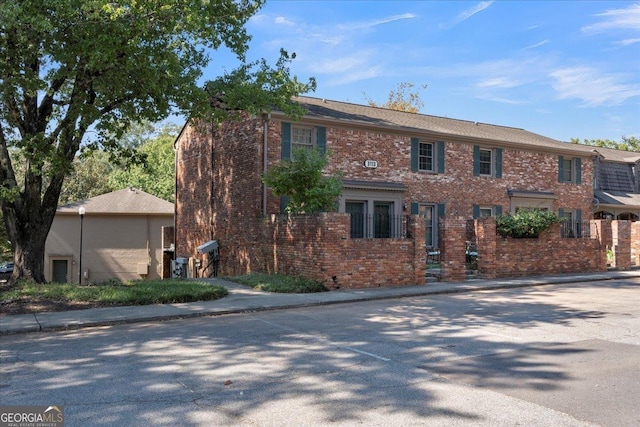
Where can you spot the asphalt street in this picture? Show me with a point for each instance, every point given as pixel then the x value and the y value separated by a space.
pixel 555 355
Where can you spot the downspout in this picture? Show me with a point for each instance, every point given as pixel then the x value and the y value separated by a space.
pixel 265 143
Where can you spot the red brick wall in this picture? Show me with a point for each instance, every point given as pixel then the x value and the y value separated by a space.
pixel 548 254
pixel 219 196
pixel 635 243
pixel 318 246
pixel 457 187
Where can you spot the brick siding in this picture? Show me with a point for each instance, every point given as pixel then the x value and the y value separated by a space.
pixel 219 196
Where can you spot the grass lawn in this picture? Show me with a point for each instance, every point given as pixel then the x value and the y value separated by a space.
pixel 280 283
pixel 115 292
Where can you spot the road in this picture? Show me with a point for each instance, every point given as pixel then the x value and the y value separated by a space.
pixel 556 355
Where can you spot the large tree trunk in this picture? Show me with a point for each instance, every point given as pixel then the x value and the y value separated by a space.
pixel 28 220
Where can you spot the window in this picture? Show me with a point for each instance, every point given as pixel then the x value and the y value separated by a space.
pixel 302 137
pixel 357 210
pixel 486 212
pixel 425 157
pixel 428 211
pixel 571 225
pixel 306 137
pixel 569 170
pixel 485 162
pixel 382 219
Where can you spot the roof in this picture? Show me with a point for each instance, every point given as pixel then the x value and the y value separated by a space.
pixel 423 124
pixel 617 177
pixel 630 200
pixel 128 201
pixel 613 155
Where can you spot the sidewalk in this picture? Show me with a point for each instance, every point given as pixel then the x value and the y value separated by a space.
pixel 242 300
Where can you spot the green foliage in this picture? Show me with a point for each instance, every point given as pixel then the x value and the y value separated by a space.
pixel 279 283
pixel 156 174
pixel 115 292
pixel 89 178
pixel 626 144
pixel 82 72
pixel 302 182
pixel 526 223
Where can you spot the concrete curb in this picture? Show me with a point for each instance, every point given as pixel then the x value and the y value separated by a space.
pixel 244 300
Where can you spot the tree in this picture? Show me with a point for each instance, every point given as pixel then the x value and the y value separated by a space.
pixel 83 71
pixel 88 178
pixel 156 174
pixel 400 100
pixel 302 182
pixel 626 144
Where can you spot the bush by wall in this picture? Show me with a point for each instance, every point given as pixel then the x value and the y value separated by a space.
pixel 526 223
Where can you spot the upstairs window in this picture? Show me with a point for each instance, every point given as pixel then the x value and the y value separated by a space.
pixel 306 137
pixel 569 170
pixel 302 137
pixel 425 157
pixel 487 161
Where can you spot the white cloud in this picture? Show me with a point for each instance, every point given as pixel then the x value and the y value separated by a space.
pixel 592 87
pixel 499 82
pixel 281 20
pixel 353 26
pixel 627 42
pixel 468 13
pixel 616 19
pixel 533 46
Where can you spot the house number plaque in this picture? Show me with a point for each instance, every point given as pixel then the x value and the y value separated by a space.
pixel 370 164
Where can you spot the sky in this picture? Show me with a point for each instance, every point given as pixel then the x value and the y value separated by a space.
pixel 563 69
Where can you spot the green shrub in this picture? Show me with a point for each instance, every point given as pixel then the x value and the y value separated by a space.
pixel 526 223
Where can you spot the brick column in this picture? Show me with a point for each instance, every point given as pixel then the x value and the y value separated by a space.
pixel 417 228
pixel 453 232
pixel 635 241
pixel 601 231
pixel 621 237
pixel 486 236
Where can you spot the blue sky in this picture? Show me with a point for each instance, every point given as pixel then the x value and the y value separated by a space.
pixel 562 69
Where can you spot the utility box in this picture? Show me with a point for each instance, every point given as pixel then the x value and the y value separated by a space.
pixel 179 268
pixel 142 268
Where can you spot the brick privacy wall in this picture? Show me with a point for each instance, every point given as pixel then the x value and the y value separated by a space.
pixel 453 233
pixel 635 243
pixel 318 246
pixel 621 233
pixel 548 254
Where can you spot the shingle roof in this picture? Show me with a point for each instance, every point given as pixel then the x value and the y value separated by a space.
pixel 614 155
pixel 617 177
pixel 129 201
pixel 323 109
pixel 631 200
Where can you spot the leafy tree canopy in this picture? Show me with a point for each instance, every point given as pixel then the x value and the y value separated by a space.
pixel 81 72
pixel 402 99
pixel 626 143
pixel 301 180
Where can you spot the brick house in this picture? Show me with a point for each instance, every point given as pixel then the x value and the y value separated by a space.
pixel 404 175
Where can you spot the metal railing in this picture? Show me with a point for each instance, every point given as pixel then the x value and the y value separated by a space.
pixel 379 226
pixel 575 229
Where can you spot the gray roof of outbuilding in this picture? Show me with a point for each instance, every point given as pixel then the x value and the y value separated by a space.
pixel 364 115
pixel 129 201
